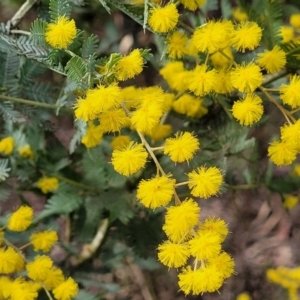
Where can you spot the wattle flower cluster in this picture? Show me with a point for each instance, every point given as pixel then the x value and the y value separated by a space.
pixel 41 273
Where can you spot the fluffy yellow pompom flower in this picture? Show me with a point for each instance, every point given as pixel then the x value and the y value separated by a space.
pixel 113 120
pixel 189 105
pixel 190 281
pixel 205 182
pixel 182 147
pixel 224 264
pixel 129 66
pixel 249 110
pixel 223 83
pixel 21 289
pixel 48 184
pixel 54 278
pixel 287 33
pixel 193 4
pixel 291 134
pixel 7 145
pixel 212 36
pixel 26 152
pixel 156 192
pixel 5 287
pixel 21 219
pixel 66 290
pixel 246 35
pixel 180 220
pixel 10 261
pixel 97 101
pixel 61 33
pixel 204 279
pixel 290 201
pixel 289 94
pixel 93 136
pixel 215 226
pixel 239 14
pixel 205 245
pixel 177 44
pixel 243 296
pixel 202 81
pixel 129 160
pixel 160 132
pixel 43 240
pixel 149 112
pixel 273 60
pixel 175 75
pixel 173 255
pixel 295 20
pixel 37 270
pixel 120 141
pixel 163 19
pixel 282 153
pixel 246 78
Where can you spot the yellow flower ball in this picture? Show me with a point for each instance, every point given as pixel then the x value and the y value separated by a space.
pixel 290 201
pixel 273 60
pixel 163 19
pixel 282 153
pixel 287 33
pixel 173 255
pixel 205 182
pixel 156 192
pixel 54 277
pixel 10 261
pixel 38 268
pixel 180 220
pixel 246 35
pixel 43 240
pixel 205 245
pixel 289 94
pixel 249 110
pixel 66 290
pixel 48 184
pixel 129 160
pixel 181 148
pixel 295 20
pixel 129 66
pixel 246 78
pixel 193 4
pixel 7 145
pixel 239 14
pixel 93 136
pixel 214 226
pixel 176 44
pixel 224 264
pixel 26 152
pixel 113 120
pixel 21 219
pixel 61 33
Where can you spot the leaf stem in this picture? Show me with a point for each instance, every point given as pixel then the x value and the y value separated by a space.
pixel 28 102
pixel 77 184
pixel 288 116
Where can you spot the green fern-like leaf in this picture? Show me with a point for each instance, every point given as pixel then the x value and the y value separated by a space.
pixel 271 21
pixel 59 8
pixel 104 4
pixel 9 73
pixel 62 203
pixel 9 114
pixel 292 51
pixel 76 139
pixel 134 12
pixel 5 191
pixel 90 46
pixel 4 170
pixel 76 70
pixel 38 29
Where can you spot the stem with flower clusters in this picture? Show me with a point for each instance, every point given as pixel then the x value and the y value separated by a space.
pixel 288 116
pixel 150 151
